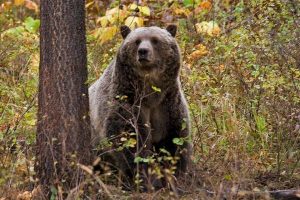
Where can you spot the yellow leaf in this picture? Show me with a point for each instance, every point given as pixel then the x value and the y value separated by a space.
pixel 201 47
pixel 116 15
pixel 110 18
pixel 202 27
pixel 122 15
pixel 112 11
pixel 134 22
pixel 196 55
pixel 216 31
pixel 181 11
pixel 103 21
pixel 133 6
pixel 210 28
pixel 199 52
pixel 105 34
pixel 19 2
pixel 145 10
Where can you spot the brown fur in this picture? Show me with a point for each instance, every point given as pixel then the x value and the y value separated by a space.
pixel 147 57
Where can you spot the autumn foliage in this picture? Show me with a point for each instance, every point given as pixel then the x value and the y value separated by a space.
pixel 240 73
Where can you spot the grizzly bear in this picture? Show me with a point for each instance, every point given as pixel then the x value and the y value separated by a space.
pixel 140 95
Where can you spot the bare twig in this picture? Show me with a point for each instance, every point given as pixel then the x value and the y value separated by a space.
pixel 99 181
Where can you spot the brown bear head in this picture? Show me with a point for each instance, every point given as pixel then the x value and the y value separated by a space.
pixel 150 50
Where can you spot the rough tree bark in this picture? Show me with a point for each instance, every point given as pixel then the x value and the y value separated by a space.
pixel 63 130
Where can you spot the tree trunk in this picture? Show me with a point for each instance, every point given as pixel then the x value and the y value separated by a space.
pixel 63 129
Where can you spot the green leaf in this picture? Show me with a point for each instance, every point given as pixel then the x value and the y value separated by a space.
pixel 178 141
pixel 227 177
pixel 15 32
pixel 130 143
pixel 138 159
pixel 164 151
pixel 53 193
pixel 261 124
pixel 156 89
pixel 188 3
pixel 32 25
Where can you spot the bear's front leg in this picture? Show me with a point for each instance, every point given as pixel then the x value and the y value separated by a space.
pixel 179 128
pixel 119 132
pixel 132 141
pixel 143 148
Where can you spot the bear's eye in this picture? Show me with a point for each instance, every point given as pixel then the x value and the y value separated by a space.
pixel 154 40
pixel 138 41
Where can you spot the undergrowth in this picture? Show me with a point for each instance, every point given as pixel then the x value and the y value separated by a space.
pixel 240 73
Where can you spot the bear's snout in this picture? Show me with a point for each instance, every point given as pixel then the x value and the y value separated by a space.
pixel 144 52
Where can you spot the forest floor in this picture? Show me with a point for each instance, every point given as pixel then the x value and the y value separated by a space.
pixel 240 74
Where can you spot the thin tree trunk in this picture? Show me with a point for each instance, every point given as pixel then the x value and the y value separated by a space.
pixel 63 130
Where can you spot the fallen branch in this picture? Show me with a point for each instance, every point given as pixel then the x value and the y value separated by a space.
pixel 277 194
pixel 286 194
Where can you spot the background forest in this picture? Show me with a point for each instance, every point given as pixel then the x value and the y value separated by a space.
pixel 240 74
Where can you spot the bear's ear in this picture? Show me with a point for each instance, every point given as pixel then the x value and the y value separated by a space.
pixel 172 28
pixel 125 30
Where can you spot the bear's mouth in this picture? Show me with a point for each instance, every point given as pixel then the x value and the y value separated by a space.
pixel 145 64
pixel 143 60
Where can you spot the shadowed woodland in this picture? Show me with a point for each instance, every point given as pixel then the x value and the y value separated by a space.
pixel 240 75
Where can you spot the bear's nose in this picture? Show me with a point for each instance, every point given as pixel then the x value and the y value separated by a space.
pixel 143 52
